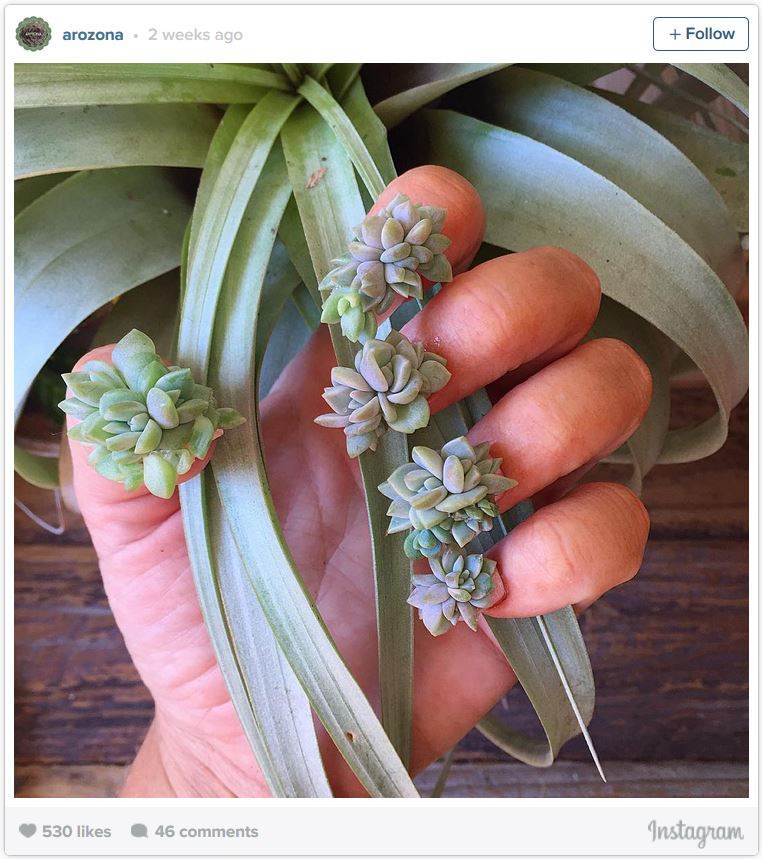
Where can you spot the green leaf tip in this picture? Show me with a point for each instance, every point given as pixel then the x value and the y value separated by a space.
pixel 389 254
pixel 388 389
pixel 445 497
pixel 147 421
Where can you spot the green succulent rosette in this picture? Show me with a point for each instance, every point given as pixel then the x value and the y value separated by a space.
pixel 147 422
pixel 389 255
pixel 458 588
pixel 388 389
pixel 444 497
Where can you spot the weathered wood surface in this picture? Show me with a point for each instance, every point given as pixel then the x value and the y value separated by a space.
pixel 669 650
pixel 474 780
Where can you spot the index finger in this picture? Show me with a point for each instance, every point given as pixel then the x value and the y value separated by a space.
pixel 431 185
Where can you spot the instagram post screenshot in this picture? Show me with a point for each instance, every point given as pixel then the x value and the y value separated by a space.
pixel 381 430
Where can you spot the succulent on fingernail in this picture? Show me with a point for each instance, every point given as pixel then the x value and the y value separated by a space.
pixel 444 497
pixel 459 587
pixel 388 389
pixel 147 421
pixel 390 253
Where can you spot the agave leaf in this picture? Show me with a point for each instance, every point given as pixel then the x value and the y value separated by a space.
pixel 241 477
pixel 640 261
pixel 67 84
pixel 332 112
pixel 40 471
pixel 645 444
pixel 305 139
pixel 128 230
pixel 416 84
pixel 722 79
pixel 53 140
pixel 218 218
pixel 620 147
pixel 723 161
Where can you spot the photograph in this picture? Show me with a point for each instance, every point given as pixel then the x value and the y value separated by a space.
pixel 381 430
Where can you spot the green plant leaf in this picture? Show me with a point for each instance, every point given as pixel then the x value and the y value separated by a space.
pixel 723 161
pixel 562 692
pixel 370 128
pixel 128 229
pixel 151 308
pixel 328 212
pixel 26 191
pixel 287 742
pixel 40 471
pixel 641 262
pixel 68 84
pixel 333 114
pixel 267 700
pixel 340 78
pixel 416 84
pixel 645 444
pixel 722 79
pixel 218 218
pixel 619 147
pixel 576 73
pixel 291 234
pixel 52 140
pixel 245 495
pixel 281 279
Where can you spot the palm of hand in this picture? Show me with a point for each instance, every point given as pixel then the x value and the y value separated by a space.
pixel 571 551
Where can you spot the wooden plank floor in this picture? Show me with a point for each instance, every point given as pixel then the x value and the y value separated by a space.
pixel 669 651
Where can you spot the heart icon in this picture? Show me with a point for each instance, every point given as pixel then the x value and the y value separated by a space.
pixel 27 829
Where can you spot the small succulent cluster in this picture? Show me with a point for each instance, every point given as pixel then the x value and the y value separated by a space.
pixel 389 254
pixel 444 496
pixel 458 587
pixel 388 389
pixel 147 421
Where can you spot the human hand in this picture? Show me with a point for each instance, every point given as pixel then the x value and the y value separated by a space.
pixel 516 321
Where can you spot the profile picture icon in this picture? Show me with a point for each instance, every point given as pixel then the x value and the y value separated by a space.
pixel 33 34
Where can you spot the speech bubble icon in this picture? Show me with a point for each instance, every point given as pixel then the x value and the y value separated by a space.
pixel 139 830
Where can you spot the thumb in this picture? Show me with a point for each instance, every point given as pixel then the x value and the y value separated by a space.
pixel 114 516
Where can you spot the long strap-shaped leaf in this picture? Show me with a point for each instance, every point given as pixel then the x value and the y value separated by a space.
pixel 273 712
pixel 332 112
pixel 723 161
pixel 62 84
pixel 546 653
pixel 306 643
pixel 620 147
pixel 328 212
pixel 53 140
pixel 128 230
pixel 417 84
pixel 293 763
pixel 721 78
pixel 640 261
pixel 212 236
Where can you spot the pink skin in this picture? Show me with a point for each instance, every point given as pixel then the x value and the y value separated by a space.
pixel 577 403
